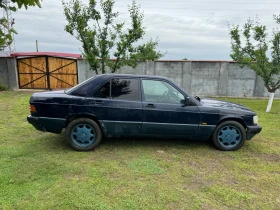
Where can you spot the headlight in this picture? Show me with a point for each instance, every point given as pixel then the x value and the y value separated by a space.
pixel 256 119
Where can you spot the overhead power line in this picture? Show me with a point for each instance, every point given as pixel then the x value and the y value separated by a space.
pixel 215 2
pixel 212 9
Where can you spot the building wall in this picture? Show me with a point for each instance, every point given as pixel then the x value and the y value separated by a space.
pixel 8 72
pixel 203 78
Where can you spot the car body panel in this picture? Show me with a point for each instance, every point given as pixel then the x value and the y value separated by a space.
pixel 170 119
pixel 116 116
pixel 190 119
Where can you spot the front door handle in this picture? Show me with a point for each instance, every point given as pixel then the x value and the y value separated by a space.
pixel 150 106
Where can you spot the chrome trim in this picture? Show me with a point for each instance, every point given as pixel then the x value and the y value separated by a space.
pixel 119 107
pixel 207 125
pixel 109 121
pixel 176 124
pixel 152 123
pixel 49 118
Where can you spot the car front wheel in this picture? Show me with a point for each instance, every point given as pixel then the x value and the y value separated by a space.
pixel 83 134
pixel 229 136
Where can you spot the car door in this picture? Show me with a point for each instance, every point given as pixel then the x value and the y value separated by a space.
pixel 117 105
pixel 164 110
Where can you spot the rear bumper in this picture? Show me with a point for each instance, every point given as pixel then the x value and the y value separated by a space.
pixel 52 125
pixel 35 121
pixel 252 131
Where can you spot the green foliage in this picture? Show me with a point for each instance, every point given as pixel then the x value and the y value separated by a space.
pixel 40 171
pixel 6 30
pixel 102 37
pixel 20 3
pixel 6 38
pixel 254 53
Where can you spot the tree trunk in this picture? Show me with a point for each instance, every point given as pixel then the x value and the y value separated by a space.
pixel 269 105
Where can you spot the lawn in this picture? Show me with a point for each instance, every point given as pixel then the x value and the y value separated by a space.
pixel 40 171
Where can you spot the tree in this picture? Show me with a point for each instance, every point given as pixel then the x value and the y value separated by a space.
pixel 258 53
pixel 6 30
pixel 20 3
pixel 6 34
pixel 102 37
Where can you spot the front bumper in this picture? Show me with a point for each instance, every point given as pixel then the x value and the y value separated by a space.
pixel 252 131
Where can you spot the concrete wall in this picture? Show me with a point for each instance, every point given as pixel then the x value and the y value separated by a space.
pixel 8 72
pixel 203 78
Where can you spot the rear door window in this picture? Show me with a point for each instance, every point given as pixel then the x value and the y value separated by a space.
pixel 120 89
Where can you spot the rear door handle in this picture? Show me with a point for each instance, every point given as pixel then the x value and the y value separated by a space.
pixel 150 106
pixel 98 102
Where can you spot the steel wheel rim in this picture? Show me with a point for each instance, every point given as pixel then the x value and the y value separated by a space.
pixel 83 135
pixel 229 136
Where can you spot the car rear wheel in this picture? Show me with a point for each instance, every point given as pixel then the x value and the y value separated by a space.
pixel 229 136
pixel 83 134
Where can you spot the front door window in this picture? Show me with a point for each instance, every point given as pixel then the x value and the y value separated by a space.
pixel 156 91
pixel 165 112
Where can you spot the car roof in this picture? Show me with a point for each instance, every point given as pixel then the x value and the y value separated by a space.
pixel 132 76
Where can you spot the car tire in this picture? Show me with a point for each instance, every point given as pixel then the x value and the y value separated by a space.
pixel 229 136
pixel 83 134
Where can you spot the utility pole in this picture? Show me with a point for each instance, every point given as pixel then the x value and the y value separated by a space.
pixel 37 50
pixel 7 14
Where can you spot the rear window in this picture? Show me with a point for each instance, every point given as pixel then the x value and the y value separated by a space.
pixel 81 89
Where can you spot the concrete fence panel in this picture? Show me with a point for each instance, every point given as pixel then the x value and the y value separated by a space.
pixel 204 78
pixel 8 72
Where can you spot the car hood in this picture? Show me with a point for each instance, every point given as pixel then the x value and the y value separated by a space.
pixel 223 105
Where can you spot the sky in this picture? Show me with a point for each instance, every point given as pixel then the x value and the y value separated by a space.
pixel 196 30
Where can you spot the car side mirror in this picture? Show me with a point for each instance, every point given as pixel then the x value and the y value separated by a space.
pixel 186 101
pixel 197 98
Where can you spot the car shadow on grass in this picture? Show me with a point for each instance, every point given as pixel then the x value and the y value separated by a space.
pixel 58 142
pixel 153 142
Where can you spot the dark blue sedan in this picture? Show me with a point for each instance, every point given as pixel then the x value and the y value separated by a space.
pixel 115 105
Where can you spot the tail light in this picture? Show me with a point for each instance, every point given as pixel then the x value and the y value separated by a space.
pixel 32 108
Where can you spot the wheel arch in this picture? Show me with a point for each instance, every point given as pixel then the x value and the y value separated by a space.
pixel 239 120
pixel 72 117
pixel 229 118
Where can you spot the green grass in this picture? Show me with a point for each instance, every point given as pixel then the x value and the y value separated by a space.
pixel 40 171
